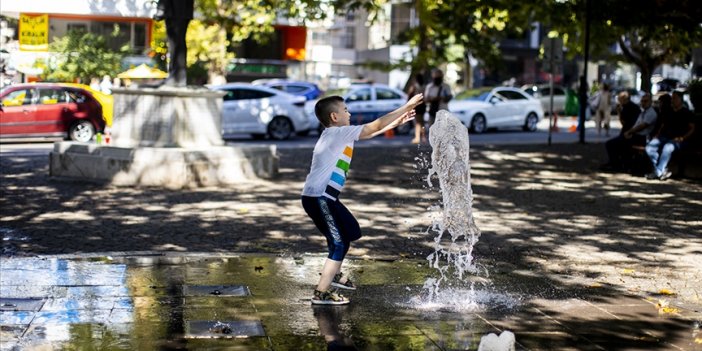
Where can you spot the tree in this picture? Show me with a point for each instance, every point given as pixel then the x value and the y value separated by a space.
pixel 474 27
pixel 81 55
pixel 649 32
pixel 221 24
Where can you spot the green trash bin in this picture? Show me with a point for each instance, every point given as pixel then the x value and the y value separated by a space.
pixel 572 105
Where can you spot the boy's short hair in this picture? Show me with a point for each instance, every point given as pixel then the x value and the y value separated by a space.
pixel 325 106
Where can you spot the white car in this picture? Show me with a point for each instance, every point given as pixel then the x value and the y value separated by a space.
pixel 261 111
pixel 367 102
pixel 543 93
pixel 497 108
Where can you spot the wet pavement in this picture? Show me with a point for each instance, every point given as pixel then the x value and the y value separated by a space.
pixel 261 302
pixel 571 259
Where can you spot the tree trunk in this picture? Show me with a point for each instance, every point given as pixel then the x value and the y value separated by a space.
pixel 646 73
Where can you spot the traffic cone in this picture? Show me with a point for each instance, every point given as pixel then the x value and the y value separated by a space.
pixel 573 128
pixel 390 133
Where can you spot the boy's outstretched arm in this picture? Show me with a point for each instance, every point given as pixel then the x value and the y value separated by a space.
pixel 392 119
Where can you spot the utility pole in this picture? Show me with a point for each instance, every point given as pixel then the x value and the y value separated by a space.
pixel 583 77
pixel 553 60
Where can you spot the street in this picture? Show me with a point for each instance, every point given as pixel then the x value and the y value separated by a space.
pixel 492 137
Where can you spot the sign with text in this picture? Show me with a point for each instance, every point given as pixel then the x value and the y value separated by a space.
pixel 34 32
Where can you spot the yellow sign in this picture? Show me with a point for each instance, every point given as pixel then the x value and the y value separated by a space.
pixel 34 32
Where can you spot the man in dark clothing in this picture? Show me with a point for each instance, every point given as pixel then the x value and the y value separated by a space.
pixel 674 133
pixel 632 119
pixel 628 111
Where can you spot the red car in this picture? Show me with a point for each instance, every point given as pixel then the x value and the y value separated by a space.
pixel 49 110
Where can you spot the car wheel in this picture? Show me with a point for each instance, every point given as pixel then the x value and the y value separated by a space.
pixel 82 131
pixel 478 125
pixel 530 123
pixel 280 128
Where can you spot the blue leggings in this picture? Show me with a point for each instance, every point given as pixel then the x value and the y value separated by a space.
pixel 335 221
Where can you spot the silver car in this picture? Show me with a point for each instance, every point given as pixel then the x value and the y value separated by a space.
pixel 262 111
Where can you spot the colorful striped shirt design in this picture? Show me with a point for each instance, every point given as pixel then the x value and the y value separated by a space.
pixel 338 176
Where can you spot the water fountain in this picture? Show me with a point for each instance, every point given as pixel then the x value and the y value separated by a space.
pixel 451 164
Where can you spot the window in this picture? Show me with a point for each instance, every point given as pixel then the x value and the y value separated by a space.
pixel 512 95
pixel 245 94
pixel 386 94
pixel 294 89
pixel 52 96
pixel 139 43
pixel 360 95
pixel 76 96
pixel 348 39
pixel 78 27
pixel 18 98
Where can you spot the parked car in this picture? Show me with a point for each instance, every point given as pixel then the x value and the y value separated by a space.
pixel 366 102
pixel 503 107
pixel 49 110
pixel 543 93
pixel 261 111
pixel 309 90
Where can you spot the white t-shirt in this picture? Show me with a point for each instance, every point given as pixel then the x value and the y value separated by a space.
pixel 330 161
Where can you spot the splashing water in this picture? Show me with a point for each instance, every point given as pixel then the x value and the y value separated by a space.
pixel 450 162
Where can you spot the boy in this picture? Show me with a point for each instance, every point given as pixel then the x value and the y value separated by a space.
pixel 320 196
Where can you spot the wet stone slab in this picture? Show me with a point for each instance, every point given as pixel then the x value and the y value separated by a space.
pixel 216 290
pixel 225 329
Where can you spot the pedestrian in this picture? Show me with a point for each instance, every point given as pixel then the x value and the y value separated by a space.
pixel 95 83
pixel 331 159
pixel 675 131
pixel 603 110
pixel 106 84
pixel 437 95
pixel 417 87
pixel 619 148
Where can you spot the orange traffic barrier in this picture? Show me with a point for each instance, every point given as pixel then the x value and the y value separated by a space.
pixel 573 128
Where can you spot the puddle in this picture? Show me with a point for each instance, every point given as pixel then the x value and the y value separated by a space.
pixel 246 303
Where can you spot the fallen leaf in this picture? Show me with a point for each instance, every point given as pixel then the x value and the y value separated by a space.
pixel 595 285
pixel 666 292
pixel 628 271
pixel 668 310
pixel 698 340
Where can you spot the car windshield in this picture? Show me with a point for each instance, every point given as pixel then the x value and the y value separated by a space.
pixel 474 94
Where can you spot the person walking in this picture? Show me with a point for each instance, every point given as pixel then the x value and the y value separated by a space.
pixel 603 113
pixel 417 87
pixel 331 159
pixel 437 95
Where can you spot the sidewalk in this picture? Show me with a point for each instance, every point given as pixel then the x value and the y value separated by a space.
pixel 574 259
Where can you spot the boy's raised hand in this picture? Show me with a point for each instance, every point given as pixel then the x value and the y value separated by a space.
pixel 404 118
pixel 415 100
